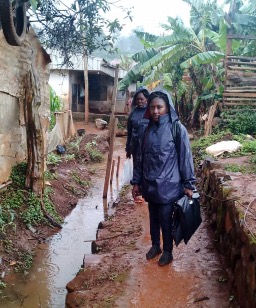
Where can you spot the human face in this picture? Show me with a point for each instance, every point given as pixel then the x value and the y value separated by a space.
pixel 158 108
pixel 141 100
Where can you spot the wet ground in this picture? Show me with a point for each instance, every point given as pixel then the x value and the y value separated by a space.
pixel 58 260
pixel 197 277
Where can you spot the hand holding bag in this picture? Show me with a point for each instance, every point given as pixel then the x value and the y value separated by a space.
pixel 127 173
pixel 186 218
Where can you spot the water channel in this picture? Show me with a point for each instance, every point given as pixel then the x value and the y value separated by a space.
pixel 59 259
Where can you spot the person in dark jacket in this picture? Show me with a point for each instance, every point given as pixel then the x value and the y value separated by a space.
pixel 139 106
pixel 163 171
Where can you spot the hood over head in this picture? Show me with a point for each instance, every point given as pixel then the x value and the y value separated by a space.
pixel 139 90
pixel 172 112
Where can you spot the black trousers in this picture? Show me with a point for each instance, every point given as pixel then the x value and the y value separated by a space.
pixel 160 217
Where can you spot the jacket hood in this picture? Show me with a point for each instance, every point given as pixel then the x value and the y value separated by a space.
pixel 141 89
pixel 172 112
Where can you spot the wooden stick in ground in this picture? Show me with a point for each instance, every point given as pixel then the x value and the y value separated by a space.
pixel 208 128
pixel 113 100
pixel 110 156
pixel 118 166
pixel 112 171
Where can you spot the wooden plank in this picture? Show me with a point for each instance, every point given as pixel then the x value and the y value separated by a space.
pixel 110 156
pixel 242 74
pixel 232 84
pixel 238 99
pixel 112 171
pixel 241 68
pixel 241 37
pixel 238 104
pixel 230 90
pixel 113 100
pixel 245 95
pixel 242 58
pixel 240 63
pixel 243 88
pixel 118 166
pixel 208 128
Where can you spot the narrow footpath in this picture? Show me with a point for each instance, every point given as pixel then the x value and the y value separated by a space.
pixel 197 277
pixel 118 274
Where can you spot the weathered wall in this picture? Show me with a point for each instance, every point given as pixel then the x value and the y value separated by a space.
pixel 226 197
pixel 15 62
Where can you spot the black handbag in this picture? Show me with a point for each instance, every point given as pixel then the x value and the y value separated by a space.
pixel 186 218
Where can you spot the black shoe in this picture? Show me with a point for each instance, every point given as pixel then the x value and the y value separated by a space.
pixel 165 258
pixel 153 252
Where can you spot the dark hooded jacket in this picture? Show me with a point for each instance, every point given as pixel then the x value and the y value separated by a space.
pixel 136 115
pixel 165 164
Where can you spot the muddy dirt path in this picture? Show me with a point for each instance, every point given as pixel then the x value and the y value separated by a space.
pixel 120 276
pixel 196 277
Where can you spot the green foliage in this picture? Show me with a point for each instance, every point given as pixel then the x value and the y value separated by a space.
pixel 18 174
pixel 32 213
pixel 94 153
pixel 121 125
pixel 243 122
pixel 81 182
pixel 235 168
pixel 53 159
pixel 10 202
pixel 25 259
pixel 199 145
pixel 69 157
pixel 48 175
pixel 49 206
pixel 79 27
pixel 55 105
pixel 249 146
pixel 245 169
pixel 73 146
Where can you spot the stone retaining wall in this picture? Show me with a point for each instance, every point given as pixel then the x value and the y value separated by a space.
pixel 226 212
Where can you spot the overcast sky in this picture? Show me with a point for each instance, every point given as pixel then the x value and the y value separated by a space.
pixel 149 14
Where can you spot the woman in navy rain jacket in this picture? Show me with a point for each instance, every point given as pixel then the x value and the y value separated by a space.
pixel 163 170
pixel 139 106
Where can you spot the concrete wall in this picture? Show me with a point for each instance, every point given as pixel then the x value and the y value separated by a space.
pixel 15 62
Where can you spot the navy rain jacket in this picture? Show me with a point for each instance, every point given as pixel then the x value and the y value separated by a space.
pixel 136 115
pixel 164 167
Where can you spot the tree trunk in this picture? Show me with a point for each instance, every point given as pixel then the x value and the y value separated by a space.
pixel 35 142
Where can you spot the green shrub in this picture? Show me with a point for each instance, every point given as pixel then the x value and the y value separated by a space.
pixel 94 153
pixel 18 174
pixel 243 122
pixel 53 159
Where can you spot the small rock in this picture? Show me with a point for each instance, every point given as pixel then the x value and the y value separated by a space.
pixel 100 124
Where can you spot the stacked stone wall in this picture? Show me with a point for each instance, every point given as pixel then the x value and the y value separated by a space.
pixel 226 214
